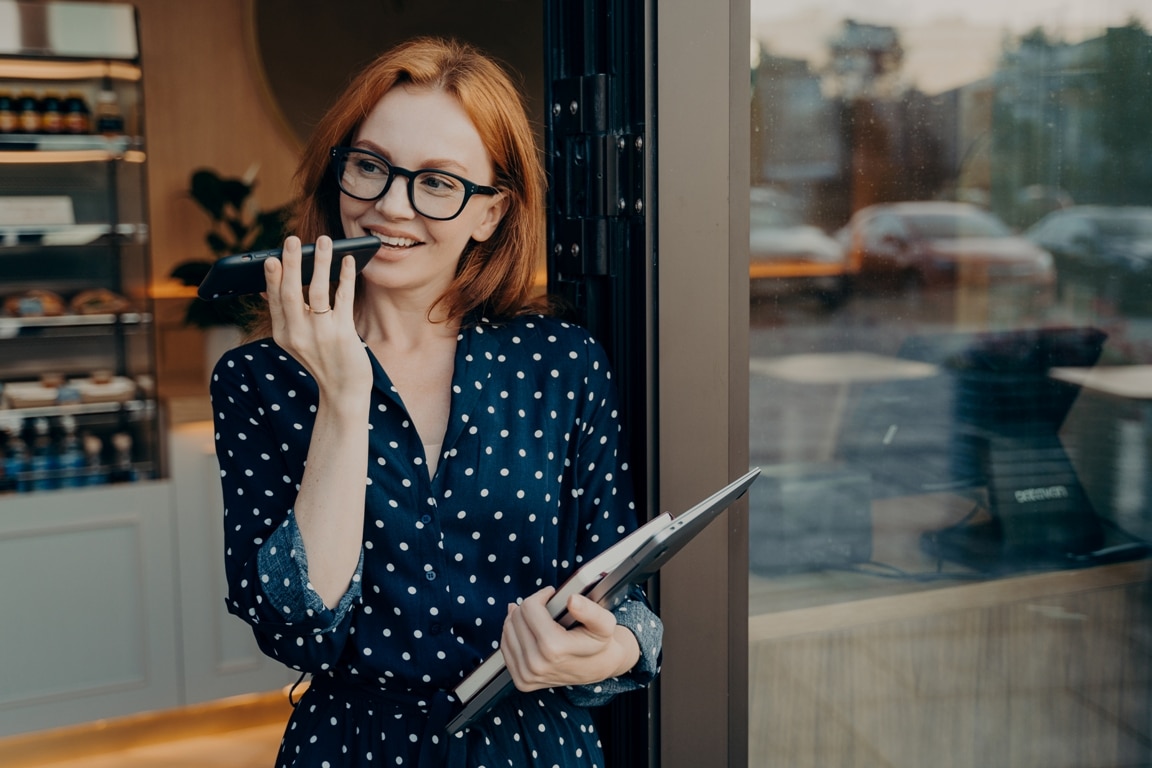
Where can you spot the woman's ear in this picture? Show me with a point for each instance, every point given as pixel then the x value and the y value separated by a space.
pixel 497 207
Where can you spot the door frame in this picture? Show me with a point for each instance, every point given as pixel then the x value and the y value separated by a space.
pixel 703 113
pixel 667 291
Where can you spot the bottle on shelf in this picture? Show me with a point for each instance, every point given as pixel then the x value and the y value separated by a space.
pixel 8 121
pixel 27 113
pixel 123 470
pixel 109 118
pixel 70 456
pixel 51 113
pixel 77 118
pixel 16 461
pixel 95 473
pixel 42 462
pixel 8 474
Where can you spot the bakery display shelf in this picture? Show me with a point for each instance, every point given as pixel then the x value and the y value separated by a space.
pixel 18 148
pixel 77 326
pixel 11 327
pixel 17 68
pixel 65 235
pixel 47 142
pixel 78 477
pixel 133 409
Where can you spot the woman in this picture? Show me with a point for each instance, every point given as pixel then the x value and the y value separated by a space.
pixel 416 458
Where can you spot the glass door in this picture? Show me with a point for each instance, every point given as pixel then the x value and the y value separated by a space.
pixel 950 366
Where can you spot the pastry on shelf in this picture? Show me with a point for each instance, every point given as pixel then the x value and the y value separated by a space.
pixel 29 394
pixel 35 302
pixel 103 387
pixel 98 301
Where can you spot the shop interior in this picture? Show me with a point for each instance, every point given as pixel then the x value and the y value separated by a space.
pixel 886 461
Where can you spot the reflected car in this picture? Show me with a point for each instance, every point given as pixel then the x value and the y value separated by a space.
pixel 790 256
pixel 1104 249
pixel 935 244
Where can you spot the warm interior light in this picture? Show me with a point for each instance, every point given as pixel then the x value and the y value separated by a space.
pixel 30 69
pixel 69 156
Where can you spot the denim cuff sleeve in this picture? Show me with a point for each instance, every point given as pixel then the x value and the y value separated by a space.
pixel 283 566
pixel 637 617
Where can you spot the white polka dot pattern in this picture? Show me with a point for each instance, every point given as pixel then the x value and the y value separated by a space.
pixel 532 480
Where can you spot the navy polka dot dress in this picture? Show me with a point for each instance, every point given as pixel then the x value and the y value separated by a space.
pixel 531 482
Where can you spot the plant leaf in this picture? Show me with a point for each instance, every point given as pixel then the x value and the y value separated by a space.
pixel 271 226
pixel 239 232
pixel 218 244
pixel 235 192
pixel 207 314
pixel 207 192
pixel 191 272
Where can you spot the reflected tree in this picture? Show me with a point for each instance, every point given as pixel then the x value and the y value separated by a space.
pixel 1071 123
pixel 1126 115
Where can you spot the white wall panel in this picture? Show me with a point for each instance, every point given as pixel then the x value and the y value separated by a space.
pixel 88 607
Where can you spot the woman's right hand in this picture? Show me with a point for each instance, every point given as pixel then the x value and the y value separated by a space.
pixel 329 507
pixel 320 336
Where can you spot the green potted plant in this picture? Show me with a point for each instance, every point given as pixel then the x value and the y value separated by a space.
pixel 237 226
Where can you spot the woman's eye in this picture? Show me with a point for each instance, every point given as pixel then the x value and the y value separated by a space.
pixel 370 167
pixel 438 184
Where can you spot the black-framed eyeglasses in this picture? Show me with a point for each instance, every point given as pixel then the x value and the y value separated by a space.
pixel 433 193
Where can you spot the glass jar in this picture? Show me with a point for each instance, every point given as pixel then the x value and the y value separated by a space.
pixel 28 113
pixel 51 113
pixel 109 118
pixel 77 118
pixel 8 122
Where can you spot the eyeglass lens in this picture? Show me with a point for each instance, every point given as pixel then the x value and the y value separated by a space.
pixel 435 195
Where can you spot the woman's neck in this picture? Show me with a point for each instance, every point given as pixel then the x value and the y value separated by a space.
pixel 402 326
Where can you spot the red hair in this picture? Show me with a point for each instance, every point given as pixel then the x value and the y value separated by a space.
pixel 496 276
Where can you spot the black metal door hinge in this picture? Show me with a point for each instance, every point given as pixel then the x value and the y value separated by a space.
pixel 598 176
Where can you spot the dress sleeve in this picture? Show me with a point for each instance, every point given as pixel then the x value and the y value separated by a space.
pixel 607 510
pixel 601 476
pixel 265 562
pixel 636 615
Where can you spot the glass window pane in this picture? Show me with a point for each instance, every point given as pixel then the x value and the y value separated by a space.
pixel 951 384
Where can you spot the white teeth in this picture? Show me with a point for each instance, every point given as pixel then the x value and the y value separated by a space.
pixel 396 242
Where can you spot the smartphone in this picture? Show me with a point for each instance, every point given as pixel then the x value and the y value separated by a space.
pixel 244 273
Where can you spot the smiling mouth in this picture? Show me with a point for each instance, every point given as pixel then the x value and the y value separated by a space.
pixel 397 242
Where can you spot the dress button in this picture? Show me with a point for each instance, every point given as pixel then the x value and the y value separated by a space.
pixel 430 575
pixel 426 519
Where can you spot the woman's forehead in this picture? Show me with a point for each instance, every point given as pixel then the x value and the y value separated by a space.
pixel 423 127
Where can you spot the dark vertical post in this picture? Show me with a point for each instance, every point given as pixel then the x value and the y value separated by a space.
pixel 597 150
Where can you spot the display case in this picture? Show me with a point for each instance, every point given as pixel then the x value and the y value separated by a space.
pixel 78 400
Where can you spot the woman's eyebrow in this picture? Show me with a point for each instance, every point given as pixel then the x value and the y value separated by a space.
pixel 445 164
pixel 441 164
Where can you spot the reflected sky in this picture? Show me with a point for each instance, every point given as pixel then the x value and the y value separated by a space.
pixel 946 43
pixel 1017 16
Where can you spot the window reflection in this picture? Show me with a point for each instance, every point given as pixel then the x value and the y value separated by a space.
pixel 951 385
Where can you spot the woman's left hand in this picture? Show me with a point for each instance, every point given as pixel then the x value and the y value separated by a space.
pixel 542 653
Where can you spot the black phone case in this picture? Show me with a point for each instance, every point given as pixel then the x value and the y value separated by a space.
pixel 243 273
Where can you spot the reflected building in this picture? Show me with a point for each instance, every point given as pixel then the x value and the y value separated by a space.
pixel 848 135
pixel 1056 123
pixel 866 61
pixel 795 142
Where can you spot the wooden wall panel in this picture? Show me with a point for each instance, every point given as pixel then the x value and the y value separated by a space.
pixel 203 106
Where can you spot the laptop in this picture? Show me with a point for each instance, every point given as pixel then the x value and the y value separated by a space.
pixel 606 578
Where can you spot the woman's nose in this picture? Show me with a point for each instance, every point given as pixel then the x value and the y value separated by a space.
pixel 395 202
